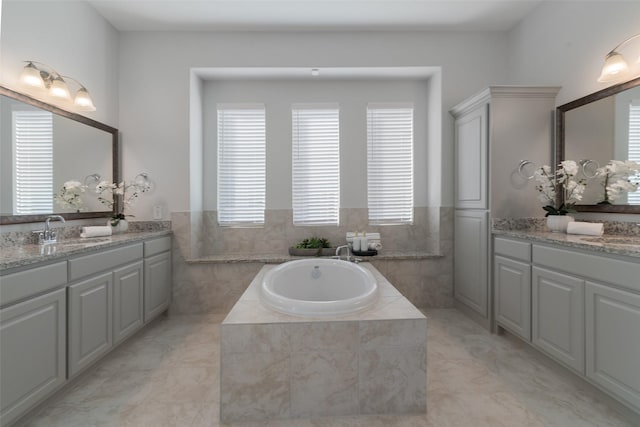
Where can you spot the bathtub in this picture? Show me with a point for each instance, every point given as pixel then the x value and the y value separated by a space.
pixel 318 287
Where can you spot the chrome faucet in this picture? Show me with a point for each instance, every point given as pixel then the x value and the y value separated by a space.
pixel 340 248
pixel 48 235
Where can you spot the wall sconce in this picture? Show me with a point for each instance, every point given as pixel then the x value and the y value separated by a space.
pixel 44 76
pixel 615 65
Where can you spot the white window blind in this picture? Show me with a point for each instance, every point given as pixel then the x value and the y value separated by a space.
pixel 33 151
pixel 316 164
pixel 390 163
pixel 634 148
pixel 241 165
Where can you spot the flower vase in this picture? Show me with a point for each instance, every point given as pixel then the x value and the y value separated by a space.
pixel 121 227
pixel 558 223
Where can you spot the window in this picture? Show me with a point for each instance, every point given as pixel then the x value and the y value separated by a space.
pixel 241 165
pixel 634 147
pixel 390 163
pixel 33 151
pixel 316 164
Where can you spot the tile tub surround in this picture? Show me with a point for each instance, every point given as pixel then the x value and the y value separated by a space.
pixel 279 233
pixel 276 366
pixel 202 287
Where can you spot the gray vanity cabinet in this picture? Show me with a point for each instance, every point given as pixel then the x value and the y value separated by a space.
pixel 33 344
pixel 613 340
pixel 557 320
pixel 157 277
pixel 97 319
pixel 512 285
pixel 58 318
pixel 90 320
pixel 128 297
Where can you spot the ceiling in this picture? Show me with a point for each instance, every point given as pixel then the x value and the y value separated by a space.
pixel 313 15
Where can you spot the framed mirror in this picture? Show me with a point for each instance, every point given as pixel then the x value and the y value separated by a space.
pixel 595 129
pixel 42 147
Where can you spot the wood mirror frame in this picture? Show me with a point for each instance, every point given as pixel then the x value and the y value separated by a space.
pixel 18 219
pixel 560 140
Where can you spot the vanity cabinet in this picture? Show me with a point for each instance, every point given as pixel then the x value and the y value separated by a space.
pixel 128 299
pixel 157 277
pixel 106 302
pixel 60 317
pixel 90 321
pixel 584 310
pixel 33 352
pixel 613 340
pixel 557 321
pixel 512 286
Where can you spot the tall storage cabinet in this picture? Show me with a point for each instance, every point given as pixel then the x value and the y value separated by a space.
pixel 494 130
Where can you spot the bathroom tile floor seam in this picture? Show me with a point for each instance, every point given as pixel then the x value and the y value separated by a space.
pixel 168 375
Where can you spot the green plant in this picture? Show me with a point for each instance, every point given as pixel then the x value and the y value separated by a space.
pixel 314 243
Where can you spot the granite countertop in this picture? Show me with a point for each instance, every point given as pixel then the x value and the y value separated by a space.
pixel 23 255
pixel 628 245
pixel 277 259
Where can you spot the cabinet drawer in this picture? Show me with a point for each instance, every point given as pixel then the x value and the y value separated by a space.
pixel 104 260
pixel 155 246
pixel 17 286
pixel 512 248
pixel 609 270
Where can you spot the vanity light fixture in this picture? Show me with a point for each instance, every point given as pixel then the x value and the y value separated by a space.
pixel 615 65
pixel 43 76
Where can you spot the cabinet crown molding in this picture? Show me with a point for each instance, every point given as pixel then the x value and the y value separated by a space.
pixel 485 95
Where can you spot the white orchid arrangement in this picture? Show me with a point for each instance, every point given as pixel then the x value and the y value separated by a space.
pixel 129 191
pixel 550 183
pixel 620 176
pixel 70 195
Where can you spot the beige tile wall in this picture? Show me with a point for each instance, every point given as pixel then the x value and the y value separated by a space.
pixel 214 288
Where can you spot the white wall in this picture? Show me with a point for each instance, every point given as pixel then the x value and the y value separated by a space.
pixel 69 36
pixel 563 43
pixel 352 97
pixel 155 88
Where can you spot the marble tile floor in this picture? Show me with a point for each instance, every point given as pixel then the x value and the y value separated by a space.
pixel 168 375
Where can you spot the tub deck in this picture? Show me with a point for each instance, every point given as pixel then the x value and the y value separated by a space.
pixel 275 365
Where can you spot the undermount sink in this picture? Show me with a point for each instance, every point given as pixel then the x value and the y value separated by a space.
pixel 614 240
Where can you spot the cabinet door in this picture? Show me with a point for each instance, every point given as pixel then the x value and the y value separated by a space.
pixel 157 284
pixel 512 284
pixel 471 136
pixel 127 301
pixel 32 352
pixel 613 341
pixel 558 316
pixel 90 320
pixel 470 261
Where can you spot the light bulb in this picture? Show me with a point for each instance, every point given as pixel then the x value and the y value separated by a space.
pixel 30 76
pixel 614 67
pixel 83 100
pixel 59 89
